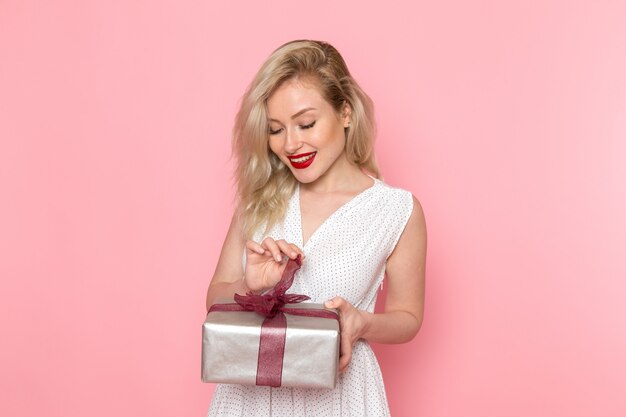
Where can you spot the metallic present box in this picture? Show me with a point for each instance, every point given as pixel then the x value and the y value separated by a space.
pixel 298 347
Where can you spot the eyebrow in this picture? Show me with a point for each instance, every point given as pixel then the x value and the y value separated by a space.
pixel 297 114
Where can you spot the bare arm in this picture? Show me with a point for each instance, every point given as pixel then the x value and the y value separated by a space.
pixel 228 276
pixel 404 307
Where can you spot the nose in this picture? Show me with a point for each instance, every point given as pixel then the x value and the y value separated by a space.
pixel 292 141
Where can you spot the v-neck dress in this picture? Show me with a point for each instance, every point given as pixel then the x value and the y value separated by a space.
pixel 346 257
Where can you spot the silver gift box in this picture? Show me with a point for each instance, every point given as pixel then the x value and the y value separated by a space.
pixel 230 348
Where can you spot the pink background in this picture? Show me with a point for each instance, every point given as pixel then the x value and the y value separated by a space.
pixel 506 119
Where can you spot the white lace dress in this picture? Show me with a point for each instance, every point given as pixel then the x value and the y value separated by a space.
pixel 345 256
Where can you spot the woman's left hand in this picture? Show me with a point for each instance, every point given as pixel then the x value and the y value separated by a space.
pixel 353 323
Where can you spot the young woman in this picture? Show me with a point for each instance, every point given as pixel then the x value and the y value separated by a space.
pixel 308 185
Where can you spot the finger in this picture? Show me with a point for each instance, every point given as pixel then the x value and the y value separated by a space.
pixel 298 250
pixel 254 247
pixel 287 248
pixel 336 302
pixel 346 353
pixel 271 246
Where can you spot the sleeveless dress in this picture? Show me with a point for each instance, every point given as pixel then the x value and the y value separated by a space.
pixel 346 257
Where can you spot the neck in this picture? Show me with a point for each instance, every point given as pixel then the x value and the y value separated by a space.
pixel 343 177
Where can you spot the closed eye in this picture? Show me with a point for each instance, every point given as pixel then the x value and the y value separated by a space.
pixel 310 125
pixel 275 132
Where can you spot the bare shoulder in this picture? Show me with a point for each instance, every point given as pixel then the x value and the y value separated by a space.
pixel 412 242
pixel 417 215
pixel 411 207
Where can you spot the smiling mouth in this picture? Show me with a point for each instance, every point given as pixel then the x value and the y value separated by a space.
pixel 303 160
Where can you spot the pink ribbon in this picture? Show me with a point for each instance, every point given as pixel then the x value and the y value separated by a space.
pixel 274 328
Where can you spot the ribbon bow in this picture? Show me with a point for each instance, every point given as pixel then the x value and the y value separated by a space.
pixel 272 302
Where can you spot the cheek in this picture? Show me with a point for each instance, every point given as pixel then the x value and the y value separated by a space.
pixel 339 139
pixel 329 137
pixel 274 145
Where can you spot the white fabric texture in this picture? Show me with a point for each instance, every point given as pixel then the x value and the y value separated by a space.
pixel 346 257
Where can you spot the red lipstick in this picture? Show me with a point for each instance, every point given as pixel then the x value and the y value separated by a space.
pixel 310 156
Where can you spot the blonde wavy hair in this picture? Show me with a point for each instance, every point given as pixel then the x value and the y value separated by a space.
pixel 264 183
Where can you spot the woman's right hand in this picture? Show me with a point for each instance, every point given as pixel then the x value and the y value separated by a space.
pixel 266 262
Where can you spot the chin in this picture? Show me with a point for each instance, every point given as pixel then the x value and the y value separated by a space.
pixel 304 177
